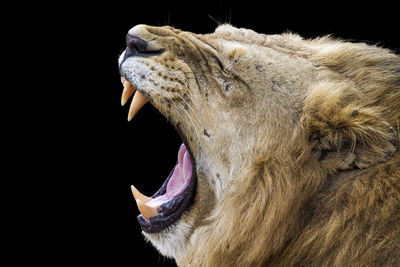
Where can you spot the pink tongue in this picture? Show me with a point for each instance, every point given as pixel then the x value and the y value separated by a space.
pixel 180 178
pixel 181 175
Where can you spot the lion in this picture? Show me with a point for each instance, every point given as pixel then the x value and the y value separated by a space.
pixel 290 153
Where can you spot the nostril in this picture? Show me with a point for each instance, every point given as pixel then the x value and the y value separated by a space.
pixel 135 43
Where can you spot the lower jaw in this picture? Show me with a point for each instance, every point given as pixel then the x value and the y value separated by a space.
pixel 176 207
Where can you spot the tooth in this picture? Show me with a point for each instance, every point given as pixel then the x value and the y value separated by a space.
pixel 137 103
pixel 138 195
pixel 128 91
pixel 146 211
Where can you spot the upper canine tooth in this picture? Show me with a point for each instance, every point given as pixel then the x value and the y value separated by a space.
pixel 137 103
pixel 128 91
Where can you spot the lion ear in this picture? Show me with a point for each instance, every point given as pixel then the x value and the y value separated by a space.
pixel 345 133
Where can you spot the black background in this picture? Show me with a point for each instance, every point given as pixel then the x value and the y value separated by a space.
pixel 105 153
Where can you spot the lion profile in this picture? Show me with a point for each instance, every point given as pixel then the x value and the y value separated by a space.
pixel 290 151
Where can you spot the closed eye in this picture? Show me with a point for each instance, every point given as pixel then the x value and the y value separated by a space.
pixel 218 62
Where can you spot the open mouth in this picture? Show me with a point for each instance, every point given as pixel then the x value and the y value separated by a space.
pixel 176 195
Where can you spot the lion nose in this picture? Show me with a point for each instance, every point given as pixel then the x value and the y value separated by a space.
pixel 135 44
pixel 141 43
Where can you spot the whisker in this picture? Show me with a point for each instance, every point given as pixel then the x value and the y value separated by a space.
pixel 191 97
pixel 197 117
pixel 187 114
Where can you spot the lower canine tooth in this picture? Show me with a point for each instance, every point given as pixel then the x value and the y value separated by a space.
pixel 146 210
pixel 137 195
pixel 138 102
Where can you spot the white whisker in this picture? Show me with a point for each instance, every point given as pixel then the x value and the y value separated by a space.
pixel 197 117
pixel 194 125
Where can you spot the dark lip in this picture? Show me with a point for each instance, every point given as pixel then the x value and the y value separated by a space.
pixel 130 53
pixel 171 211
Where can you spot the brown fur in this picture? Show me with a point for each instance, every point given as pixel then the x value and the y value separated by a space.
pixel 300 163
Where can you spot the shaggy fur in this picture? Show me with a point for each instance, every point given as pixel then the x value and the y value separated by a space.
pixel 296 144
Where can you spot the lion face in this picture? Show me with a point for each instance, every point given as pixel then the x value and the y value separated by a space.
pixel 200 83
pixel 245 107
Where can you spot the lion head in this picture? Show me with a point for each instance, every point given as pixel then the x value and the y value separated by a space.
pixel 289 146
